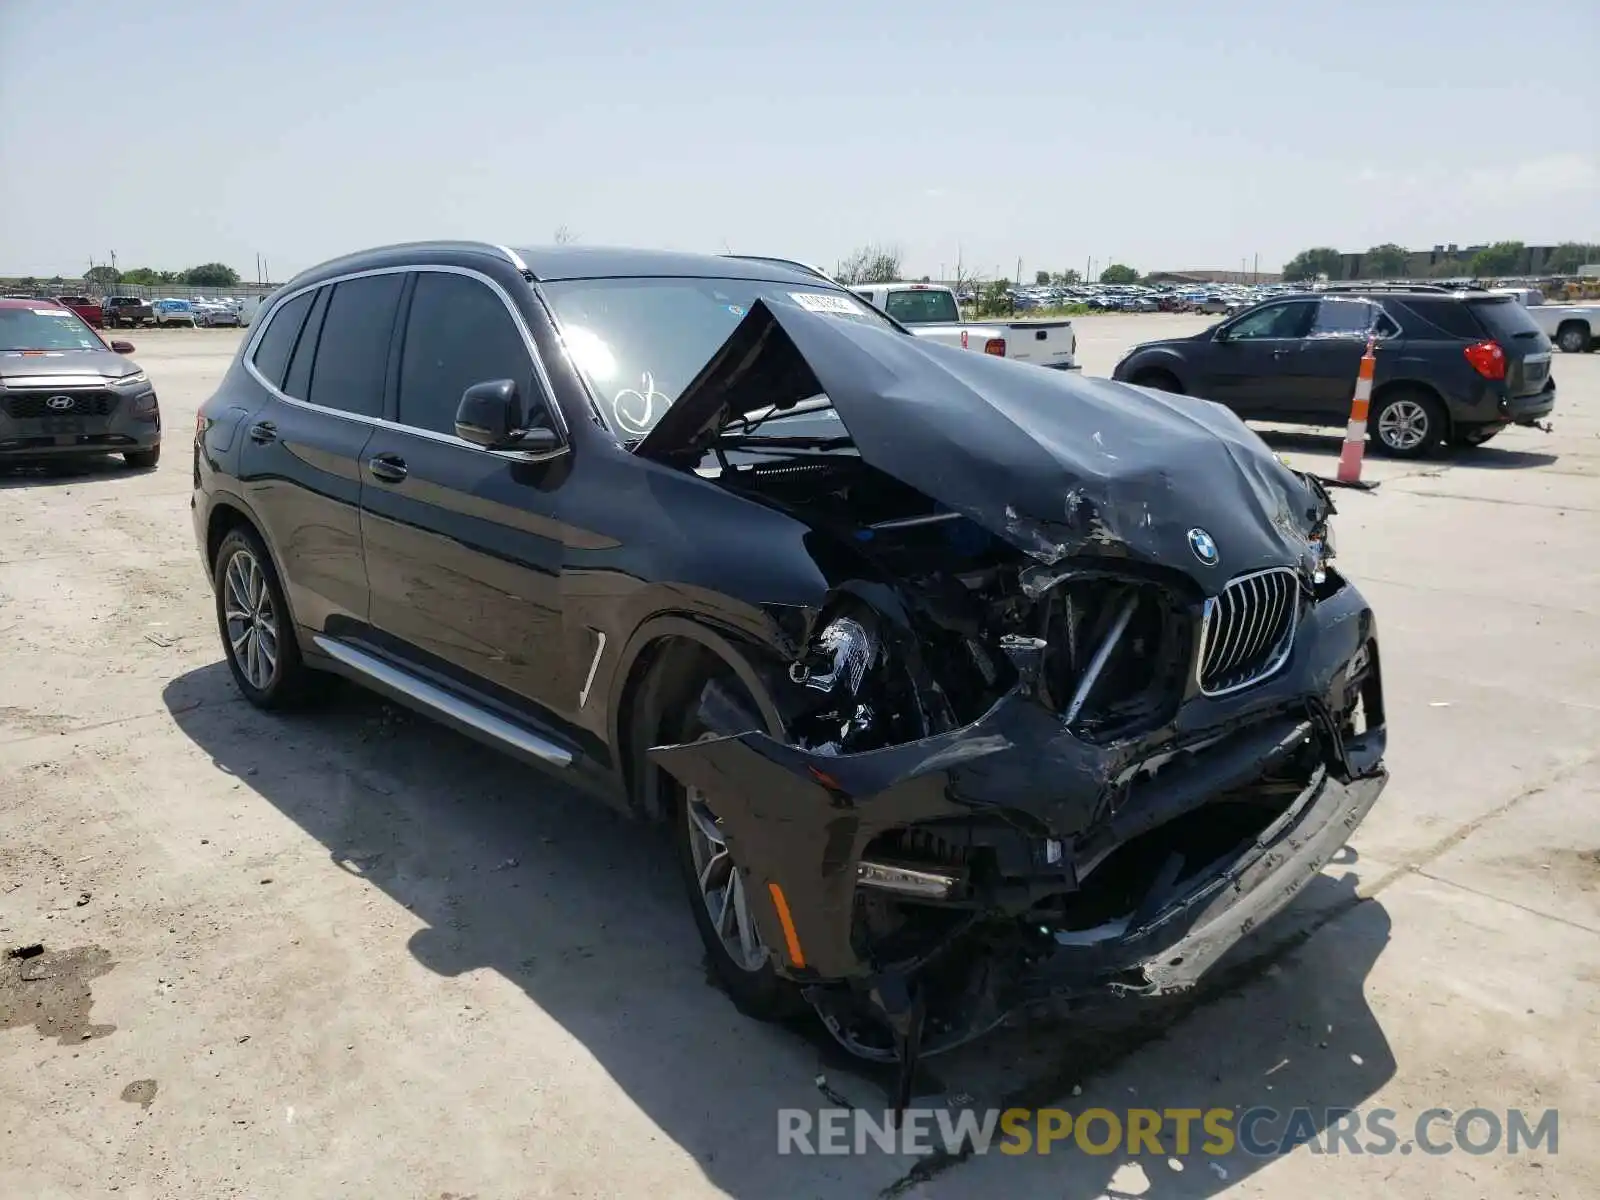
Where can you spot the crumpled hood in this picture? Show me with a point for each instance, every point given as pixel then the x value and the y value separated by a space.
pixel 1057 466
pixel 17 365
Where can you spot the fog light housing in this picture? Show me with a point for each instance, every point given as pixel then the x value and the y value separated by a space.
pixel 907 881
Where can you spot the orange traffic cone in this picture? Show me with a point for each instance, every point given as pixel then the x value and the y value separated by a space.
pixel 1355 433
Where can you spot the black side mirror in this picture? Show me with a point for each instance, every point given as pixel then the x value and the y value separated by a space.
pixel 490 415
pixel 122 347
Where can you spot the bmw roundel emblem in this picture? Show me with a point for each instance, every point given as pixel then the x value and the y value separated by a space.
pixel 1204 548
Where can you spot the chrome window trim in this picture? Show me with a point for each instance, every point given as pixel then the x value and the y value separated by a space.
pixel 514 258
pixel 379 422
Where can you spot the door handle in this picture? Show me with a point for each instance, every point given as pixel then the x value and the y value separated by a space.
pixel 387 467
pixel 263 432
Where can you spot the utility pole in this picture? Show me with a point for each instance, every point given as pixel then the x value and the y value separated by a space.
pixel 1019 272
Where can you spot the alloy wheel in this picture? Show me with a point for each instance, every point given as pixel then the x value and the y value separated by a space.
pixel 722 887
pixel 1403 425
pixel 251 619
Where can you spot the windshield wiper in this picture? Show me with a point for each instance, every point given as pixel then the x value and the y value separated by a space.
pixel 802 442
pixel 750 422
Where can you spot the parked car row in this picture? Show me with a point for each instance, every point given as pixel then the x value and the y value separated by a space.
pixel 132 312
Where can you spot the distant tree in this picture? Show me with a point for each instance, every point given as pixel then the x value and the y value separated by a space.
pixel 57 280
pixel 869 264
pixel 27 283
pixel 1119 273
pixel 210 275
pixel 103 278
pixel 1041 278
pixel 995 298
pixel 1566 258
pixel 1502 258
pixel 926 279
pixel 1308 264
pixel 1387 261
pixel 564 235
pixel 1066 278
pixel 142 276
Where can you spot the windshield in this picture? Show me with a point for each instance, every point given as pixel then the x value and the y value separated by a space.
pixel 640 342
pixel 913 307
pixel 45 329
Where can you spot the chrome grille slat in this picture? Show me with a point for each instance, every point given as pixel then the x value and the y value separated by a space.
pixel 1247 631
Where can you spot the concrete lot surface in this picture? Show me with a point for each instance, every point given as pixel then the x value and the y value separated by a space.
pixel 352 954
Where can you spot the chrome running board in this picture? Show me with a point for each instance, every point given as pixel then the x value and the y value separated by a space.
pixel 454 709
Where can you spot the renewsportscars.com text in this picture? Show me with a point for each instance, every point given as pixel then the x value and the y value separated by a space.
pixel 1261 1132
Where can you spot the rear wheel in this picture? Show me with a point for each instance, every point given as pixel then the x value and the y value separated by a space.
pixel 1573 337
pixel 257 631
pixel 1409 424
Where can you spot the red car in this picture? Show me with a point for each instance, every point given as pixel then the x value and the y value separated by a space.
pixel 86 308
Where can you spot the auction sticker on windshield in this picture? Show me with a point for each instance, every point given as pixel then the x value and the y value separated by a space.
pixel 822 302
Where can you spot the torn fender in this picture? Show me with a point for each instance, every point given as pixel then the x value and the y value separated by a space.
pixel 802 819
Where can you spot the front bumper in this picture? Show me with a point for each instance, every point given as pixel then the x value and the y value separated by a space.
pixel 132 422
pixel 800 823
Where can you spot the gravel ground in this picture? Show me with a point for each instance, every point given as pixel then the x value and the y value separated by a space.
pixel 352 954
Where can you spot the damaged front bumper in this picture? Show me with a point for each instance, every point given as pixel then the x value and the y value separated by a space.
pixel 967 874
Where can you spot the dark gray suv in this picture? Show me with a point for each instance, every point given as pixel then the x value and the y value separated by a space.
pixel 1454 367
pixel 66 392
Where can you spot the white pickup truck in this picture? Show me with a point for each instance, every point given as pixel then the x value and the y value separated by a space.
pixel 1573 327
pixel 929 310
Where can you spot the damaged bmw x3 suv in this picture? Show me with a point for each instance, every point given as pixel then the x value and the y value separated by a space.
pixel 964 686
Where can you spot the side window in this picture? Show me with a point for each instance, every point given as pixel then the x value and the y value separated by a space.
pixel 1343 319
pixel 277 341
pixel 1384 325
pixel 1444 315
pixel 1274 321
pixel 297 382
pixel 353 344
pixel 458 333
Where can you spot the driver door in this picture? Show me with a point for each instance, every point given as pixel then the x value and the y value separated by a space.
pixel 462 544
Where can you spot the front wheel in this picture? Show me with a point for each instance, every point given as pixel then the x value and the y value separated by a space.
pixel 142 460
pixel 1409 424
pixel 720 898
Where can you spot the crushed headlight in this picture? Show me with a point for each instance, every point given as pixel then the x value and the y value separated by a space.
pixel 1323 550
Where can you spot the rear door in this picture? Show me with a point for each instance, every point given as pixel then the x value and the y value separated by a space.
pixel 1247 368
pixel 324 357
pixel 1322 373
pixel 462 545
pixel 1525 345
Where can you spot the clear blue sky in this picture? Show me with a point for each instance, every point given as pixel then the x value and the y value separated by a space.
pixel 1163 134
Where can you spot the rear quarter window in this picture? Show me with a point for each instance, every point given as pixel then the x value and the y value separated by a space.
pixel 1435 317
pixel 1505 319
pixel 271 358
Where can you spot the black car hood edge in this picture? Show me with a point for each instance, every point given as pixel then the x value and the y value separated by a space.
pixel 1056 465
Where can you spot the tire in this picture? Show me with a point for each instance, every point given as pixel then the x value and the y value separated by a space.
pixel 242 576
pixel 143 460
pixel 754 985
pixel 1161 381
pixel 1408 423
pixel 1573 337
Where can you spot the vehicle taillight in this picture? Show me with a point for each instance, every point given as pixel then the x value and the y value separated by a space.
pixel 997 346
pixel 1487 359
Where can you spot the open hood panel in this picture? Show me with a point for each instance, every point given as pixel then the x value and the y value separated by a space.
pixel 1057 466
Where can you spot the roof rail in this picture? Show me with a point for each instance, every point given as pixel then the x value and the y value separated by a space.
pixel 1387 287
pixel 782 262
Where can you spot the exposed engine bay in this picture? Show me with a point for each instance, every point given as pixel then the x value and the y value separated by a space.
pixel 1086 700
